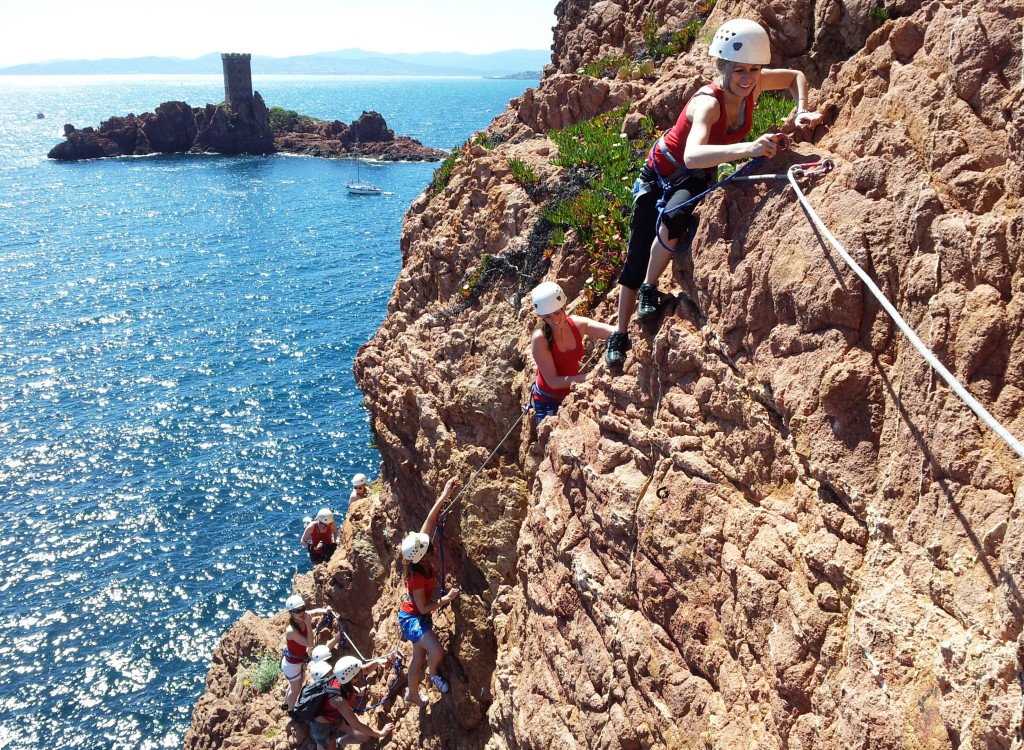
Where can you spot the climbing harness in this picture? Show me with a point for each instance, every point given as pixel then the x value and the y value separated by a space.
pixel 668 187
pixel 923 350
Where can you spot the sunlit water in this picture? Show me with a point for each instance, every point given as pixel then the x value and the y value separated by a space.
pixel 176 390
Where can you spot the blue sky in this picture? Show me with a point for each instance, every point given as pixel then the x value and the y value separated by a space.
pixel 32 31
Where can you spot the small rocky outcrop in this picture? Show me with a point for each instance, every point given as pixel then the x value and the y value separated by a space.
pixel 367 136
pixel 176 128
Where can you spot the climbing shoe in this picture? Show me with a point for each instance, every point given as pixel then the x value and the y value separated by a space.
pixel 618 345
pixel 439 683
pixel 647 303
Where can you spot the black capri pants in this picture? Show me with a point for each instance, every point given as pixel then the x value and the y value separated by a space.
pixel 680 223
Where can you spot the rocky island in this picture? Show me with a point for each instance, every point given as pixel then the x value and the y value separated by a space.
pixel 775 528
pixel 242 124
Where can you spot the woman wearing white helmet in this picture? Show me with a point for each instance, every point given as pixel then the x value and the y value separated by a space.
pixel 709 132
pixel 360 488
pixel 414 614
pixel 299 637
pixel 337 714
pixel 558 348
pixel 321 537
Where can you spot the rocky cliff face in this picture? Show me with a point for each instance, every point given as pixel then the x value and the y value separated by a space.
pixel 776 528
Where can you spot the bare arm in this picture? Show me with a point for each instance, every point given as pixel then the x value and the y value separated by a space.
pixel 425 606
pixel 304 541
pixel 700 154
pixel 592 328
pixel 353 721
pixel 546 363
pixel 431 523
pixel 795 82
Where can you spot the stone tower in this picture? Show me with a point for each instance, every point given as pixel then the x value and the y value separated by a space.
pixel 237 81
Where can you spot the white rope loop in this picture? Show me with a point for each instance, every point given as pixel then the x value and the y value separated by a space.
pixel 930 358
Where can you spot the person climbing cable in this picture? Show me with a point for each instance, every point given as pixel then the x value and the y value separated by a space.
pixel 414 615
pixel 299 637
pixel 321 537
pixel 682 164
pixel 557 348
pixel 336 722
pixel 360 488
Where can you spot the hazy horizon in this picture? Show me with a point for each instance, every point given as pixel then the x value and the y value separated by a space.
pixel 60 31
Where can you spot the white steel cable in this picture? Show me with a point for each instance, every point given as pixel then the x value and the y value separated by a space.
pixel 930 358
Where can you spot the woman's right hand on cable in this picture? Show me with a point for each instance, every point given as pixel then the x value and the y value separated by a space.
pixel 764 146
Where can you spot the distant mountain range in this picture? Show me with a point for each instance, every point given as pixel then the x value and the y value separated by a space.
pixel 511 63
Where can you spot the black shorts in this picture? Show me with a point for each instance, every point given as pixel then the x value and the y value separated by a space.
pixel 680 223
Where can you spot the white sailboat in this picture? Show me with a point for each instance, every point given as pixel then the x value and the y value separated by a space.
pixel 362 188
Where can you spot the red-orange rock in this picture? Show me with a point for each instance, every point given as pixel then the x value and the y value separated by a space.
pixel 777 527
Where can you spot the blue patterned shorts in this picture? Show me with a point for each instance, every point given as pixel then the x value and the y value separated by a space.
pixel 413 626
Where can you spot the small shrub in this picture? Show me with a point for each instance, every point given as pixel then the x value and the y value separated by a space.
pixel 288 120
pixel 483 138
pixel 444 173
pixel 468 287
pixel 672 43
pixel 595 153
pixel 606 67
pixel 261 673
pixel 523 173
pixel 879 13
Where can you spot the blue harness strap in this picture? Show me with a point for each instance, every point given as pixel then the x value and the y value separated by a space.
pixel 361 708
pixel 440 544
pixel 668 187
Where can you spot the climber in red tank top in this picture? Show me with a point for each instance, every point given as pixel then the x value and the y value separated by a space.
pixel 558 348
pixel 683 163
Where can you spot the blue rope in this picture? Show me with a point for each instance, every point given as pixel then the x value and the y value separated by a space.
pixel 390 694
pixel 440 542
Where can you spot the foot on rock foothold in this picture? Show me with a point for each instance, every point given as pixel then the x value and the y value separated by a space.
pixel 618 345
pixel 647 306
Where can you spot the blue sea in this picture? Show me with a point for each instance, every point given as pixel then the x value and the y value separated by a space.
pixel 176 390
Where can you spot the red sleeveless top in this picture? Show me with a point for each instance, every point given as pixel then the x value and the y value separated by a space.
pixel 566 363
pixel 296 650
pixel 675 138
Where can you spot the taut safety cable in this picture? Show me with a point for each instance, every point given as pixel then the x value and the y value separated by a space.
pixel 930 358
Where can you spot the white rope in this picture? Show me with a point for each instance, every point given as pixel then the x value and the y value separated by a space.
pixel 930 358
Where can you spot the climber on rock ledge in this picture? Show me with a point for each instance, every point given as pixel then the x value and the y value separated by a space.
pixel 414 618
pixel 682 164
pixel 558 348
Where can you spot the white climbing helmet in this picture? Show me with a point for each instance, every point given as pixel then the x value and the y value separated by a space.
pixel 294 602
pixel 548 297
pixel 347 668
pixel 359 480
pixel 320 653
pixel 324 515
pixel 415 546
pixel 741 41
pixel 320 670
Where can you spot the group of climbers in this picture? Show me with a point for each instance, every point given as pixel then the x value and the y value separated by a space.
pixel 680 167
pixel 330 701
pixel 679 170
